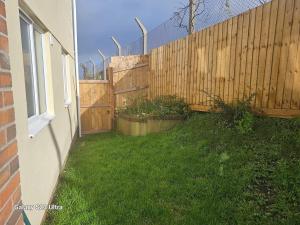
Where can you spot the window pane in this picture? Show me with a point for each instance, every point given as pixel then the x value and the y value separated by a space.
pixel 27 57
pixel 40 71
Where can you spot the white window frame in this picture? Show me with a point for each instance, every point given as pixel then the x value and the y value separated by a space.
pixel 66 79
pixel 38 121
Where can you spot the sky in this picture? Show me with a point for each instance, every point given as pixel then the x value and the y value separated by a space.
pixel 98 20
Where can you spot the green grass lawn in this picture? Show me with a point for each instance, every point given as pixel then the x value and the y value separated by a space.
pixel 198 173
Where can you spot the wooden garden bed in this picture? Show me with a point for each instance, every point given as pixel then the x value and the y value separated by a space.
pixel 135 126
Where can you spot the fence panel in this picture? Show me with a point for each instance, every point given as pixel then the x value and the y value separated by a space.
pixel 130 78
pixel 257 52
pixel 254 53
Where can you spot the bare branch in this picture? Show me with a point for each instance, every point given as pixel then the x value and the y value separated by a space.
pixel 184 14
pixel 185 18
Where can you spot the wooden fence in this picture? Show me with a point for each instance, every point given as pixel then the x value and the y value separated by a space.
pixel 130 78
pixel 256 52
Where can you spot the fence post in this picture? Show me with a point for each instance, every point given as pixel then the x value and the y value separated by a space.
pixel 149 77
pixel 145 35
pixel 104 66
pixel 110 74
pixel 94 67
pixel 118 45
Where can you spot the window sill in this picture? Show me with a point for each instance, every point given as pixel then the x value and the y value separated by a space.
pixel 37 124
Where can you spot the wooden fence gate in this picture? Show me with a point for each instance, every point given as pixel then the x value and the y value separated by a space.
pixel 96 106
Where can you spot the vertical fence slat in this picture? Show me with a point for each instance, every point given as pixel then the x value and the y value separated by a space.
pixel 179 67
pixel 186 62
pixel 199 66
pixel 223 61
pixel 233 58
pixel 238 57
pixel 270 53
pixel 276 54
pixel 296 65
pixel 210 64
pixel 205 78
pixel 189 68
pixel 176 72
pixel 284 53
pixel 293 49
pixel 168 91
pixel 194 69
pixel 173 59
pixel 207 68
pixel 202 63
pixel 219 61
pixel 245 36
pixel 248 74
pixel 195 66
pixel 227 60
pixel 262 55
pixel 256 59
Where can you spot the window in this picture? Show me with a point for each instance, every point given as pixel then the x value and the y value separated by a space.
pixel 66 78
pixel 35 77
pixel 33 59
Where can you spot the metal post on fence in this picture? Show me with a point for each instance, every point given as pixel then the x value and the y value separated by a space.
pixel 117 45
pixel 94 68
pixel 145 35
pixel 104 66
pixel 84 68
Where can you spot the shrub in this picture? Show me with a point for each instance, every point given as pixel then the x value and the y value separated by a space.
pixel 237 114
pixel 162 106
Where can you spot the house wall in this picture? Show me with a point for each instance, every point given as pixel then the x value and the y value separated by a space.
pixel 42 157
pixel 57 16
pixel 10 189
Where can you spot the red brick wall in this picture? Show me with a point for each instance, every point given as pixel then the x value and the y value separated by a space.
pixel 10 189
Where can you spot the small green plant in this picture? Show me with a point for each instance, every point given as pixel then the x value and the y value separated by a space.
pixel 245 124
pixel 236 114
pixel 162 106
